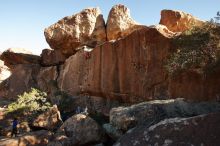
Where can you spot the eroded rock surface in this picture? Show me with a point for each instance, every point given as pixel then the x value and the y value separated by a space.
pixel 120 23
pixel 49 120
pixel 152 112
pixel 37 138
pixel 200 130
pixel 78 130
pixel 23 78
pixel 178 21
pixel 52 57
pixel 84 28
pixel 125 70
pixel 15 56
pixel 4 71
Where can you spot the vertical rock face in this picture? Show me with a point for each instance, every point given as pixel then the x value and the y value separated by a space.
pixel 120 23
pixel 52 57
pixel 86 27
pixel 22 79
pixel 178 21
pixel 195 86
pixel 129 69
pixel 45 77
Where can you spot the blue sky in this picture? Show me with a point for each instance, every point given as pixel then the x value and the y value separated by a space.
pixel 22 22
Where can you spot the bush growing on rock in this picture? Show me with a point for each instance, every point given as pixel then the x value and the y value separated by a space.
pixel 34 101
pixel 197 48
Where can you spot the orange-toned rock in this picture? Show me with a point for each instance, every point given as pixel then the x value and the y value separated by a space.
pixel 52 57
pixel 119 23
pixel 178 21
pixel 84 28
pixel 45 77
pixel 193 85
pixel 23 78
pixel 130 69
pixel 37 138
pixel 14 56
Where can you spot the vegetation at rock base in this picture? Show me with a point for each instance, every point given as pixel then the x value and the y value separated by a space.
pixel 32 103
pixel 197 48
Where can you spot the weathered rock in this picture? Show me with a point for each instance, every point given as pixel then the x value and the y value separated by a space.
pixel 84 28
pixel 201 130
pixel 114 133
pixel 23 78
pixel 37 138
pixel 4 71
pixel 178 21
pixel 14 56
pixel 49 120
pixel 46 78
pixel 52 57
pixel 195 86
pixel 120 23
pixel 102 72
pixel 151 112
pixel 78 130
pixel 95 105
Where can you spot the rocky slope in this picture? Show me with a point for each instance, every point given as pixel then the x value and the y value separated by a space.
pixel 99 67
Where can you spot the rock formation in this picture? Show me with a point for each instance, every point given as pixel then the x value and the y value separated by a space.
pixel 199 130
pixel 33 138
pixel 79 130
pixel 4 71
pixel 15 56
pixel 23 78
pixel 52 57
pixel 148 113
pixel 105 68
pixel 178 21
pixel 84 28
pixel 49 120
pixel 115 71
pixel 120 23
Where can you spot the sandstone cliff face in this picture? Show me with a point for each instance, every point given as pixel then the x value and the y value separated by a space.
pixel 178 21
pixel 52 57
pixel 130 69
pixel 120 23
pixel 86 27
pixel 22 79
pixel 195 86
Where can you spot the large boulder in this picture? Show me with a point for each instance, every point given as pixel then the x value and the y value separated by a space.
pixel 15 56
pixel 79 130
pixel 84 28
pixel 120 23
pixel 37 138
pixel 49 120
pixel 52 57
pixel 178 21
pixel 151 112
pixel 201 130
pixel 133 73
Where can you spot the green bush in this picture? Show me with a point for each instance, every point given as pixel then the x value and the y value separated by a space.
pixel 197 48
pixel 32 102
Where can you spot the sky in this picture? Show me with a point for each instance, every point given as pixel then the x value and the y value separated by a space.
pixel 22 22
